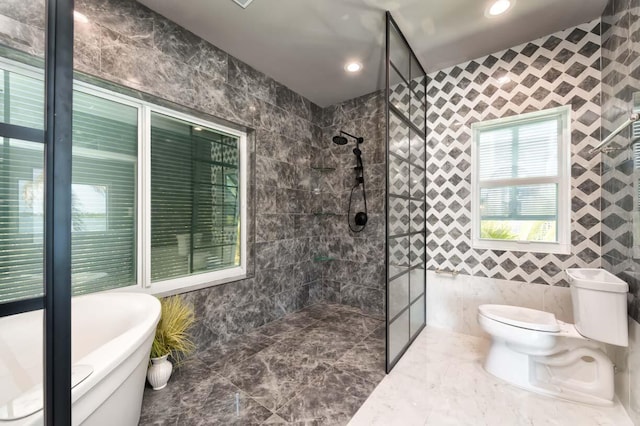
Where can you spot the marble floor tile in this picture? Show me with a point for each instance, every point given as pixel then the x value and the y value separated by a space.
pixel 366 359
pixel 288 325
pixel 441 381
pixel 322 342
pixel 226 408
pixel 331 399
pixel 195 395
pixel 275 375
pixel 358 324
pixel 275 420
pixel 224 356
pixel 281 373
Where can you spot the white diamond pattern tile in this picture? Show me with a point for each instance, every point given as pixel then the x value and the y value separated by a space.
pixel 560 69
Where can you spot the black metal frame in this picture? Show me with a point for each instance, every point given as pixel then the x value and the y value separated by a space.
pixel 59 96
pixel 390 363
pixel 56 301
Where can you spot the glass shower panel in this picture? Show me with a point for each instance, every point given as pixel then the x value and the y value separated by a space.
pixel 399 292
pixel 398 335
pixel 417 318
pixel 22 189
pixel 399 54
pixel 399 92
pixel 417 153
pixel 406 189
pixel 22 219
pixel 398 221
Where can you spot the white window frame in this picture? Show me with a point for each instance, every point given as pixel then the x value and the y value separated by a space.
pixel 563 180
pixel 143 190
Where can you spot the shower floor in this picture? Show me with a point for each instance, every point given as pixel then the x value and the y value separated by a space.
pixel 316 366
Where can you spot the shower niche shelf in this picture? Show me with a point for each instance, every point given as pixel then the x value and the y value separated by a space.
pixel 324 214
pixel 320 259
pixel 317 176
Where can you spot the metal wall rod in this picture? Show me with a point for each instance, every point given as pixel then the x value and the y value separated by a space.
pixel 453 272
pixel 632 119
pixel 57 271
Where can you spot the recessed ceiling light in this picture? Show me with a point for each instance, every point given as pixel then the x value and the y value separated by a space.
pixel 504 79
pixel 353 67
pixel 197 129
pixel 499 7
pixel 80 17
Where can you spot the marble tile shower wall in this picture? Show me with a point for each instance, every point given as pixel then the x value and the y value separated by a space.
pixel 620 81
pixel 356 275
pixel 126 43
pixel 560 69
pixel 620 182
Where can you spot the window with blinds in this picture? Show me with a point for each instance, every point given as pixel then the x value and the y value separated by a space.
pixel 195 204
pixel 158 197
pixel 521 182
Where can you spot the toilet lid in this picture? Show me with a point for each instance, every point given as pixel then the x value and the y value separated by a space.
pixel 521 317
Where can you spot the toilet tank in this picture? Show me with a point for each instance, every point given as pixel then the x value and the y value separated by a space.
pixel 599 305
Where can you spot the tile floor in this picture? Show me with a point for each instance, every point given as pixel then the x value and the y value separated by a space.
pixel 316 366
pixel 440 381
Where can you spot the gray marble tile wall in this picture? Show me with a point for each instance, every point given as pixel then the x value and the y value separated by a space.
pixel 621 80
pixel 356 275
pixel 127 44
pixel 621 181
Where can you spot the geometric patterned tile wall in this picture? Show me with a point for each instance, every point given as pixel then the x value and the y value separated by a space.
pixel 559 69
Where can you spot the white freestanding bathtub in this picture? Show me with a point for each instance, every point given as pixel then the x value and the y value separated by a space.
pixel 111 341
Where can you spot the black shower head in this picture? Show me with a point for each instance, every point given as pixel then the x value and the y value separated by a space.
pixel 339 140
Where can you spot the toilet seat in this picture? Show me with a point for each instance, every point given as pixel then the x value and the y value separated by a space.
pixel 517 316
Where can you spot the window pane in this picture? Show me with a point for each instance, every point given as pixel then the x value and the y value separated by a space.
pixel 105 151
pixel 21 219
pixel 519 213
pixel 537 153
pixel 519 151
pixel 21 100
pixel 21 188
pixel 195 199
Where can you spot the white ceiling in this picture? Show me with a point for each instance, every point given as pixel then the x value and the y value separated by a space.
pixel 304 44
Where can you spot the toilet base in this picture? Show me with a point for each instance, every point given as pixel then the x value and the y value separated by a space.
pixel 581 374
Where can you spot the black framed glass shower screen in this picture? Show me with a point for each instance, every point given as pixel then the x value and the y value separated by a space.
pixel 35 207
pixel 406 191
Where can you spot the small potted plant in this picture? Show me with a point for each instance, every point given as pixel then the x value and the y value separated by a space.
pixel 172 339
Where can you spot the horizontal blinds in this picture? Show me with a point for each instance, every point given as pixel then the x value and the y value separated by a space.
pixel 519 151
pixel 21 190
pixel 22 100
pixel 531 202
pixel 105 138
pixel 21 220
pixel 105 141
pixel 194 199
pixel 195 194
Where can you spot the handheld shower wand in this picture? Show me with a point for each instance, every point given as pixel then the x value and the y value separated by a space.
pixel 360 218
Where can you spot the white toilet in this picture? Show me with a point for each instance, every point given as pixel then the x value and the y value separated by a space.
pixel 535 351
